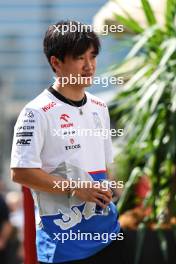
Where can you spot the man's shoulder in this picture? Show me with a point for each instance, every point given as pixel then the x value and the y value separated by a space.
pixel 96 100
pixel 34 108
pixel 44 102
pixel 38 102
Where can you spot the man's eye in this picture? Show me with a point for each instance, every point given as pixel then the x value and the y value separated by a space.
pixel 80 58
pixel 94 56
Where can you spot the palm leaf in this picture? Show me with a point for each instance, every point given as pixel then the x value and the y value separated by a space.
pixel 128 20
pixel 130 84
pixel 143 40
pixel 148 95
pixel 148 126
pixel 170 16
pixel 126 68
pixel 173 96
pixel 150 16
pixel 157 96
pixel 129 23
pixel 170 47
pixel 135 174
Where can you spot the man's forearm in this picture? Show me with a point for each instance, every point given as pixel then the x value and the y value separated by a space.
pixel 39 180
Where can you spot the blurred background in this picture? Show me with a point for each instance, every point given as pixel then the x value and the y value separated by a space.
pixel 145 107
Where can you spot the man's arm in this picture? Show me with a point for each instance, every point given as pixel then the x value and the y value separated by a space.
pixel 40 180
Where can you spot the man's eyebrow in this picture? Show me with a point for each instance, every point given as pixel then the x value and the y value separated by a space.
pixel 94 52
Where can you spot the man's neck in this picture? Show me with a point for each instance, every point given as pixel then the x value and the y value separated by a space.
pixel 71 92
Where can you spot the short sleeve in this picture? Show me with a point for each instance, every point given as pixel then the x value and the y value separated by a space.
pixel 108 140
pixel 28 140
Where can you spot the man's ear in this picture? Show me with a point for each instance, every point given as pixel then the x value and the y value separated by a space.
pixel 55 62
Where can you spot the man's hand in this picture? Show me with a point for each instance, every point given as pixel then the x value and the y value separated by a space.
pixel 95 194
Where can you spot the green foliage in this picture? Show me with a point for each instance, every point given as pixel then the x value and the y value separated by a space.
pixel 150 16
pixel 146 109
pixel 129 23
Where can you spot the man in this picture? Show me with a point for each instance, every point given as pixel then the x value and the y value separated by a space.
pixel 49 155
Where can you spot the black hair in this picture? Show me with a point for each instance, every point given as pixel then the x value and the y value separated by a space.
pixel 59 44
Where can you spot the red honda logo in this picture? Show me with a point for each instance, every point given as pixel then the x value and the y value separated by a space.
pixel 64 117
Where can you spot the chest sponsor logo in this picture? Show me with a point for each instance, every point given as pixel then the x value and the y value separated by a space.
pixel 68 133
pixel 23 142
pixel 28 121
pixel 48 106
pixel 29 117
pixel 24 134
pixel 29 114
pixel 25 128
pixel 65 119
pixel 72 146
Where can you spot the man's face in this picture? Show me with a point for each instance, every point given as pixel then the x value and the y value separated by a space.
pixel 82 67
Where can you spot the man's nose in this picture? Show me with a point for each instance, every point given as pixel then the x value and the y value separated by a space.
pixel 88 65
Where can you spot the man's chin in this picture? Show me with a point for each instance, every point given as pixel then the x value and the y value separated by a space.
pixel 83 84
pixel 87 84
